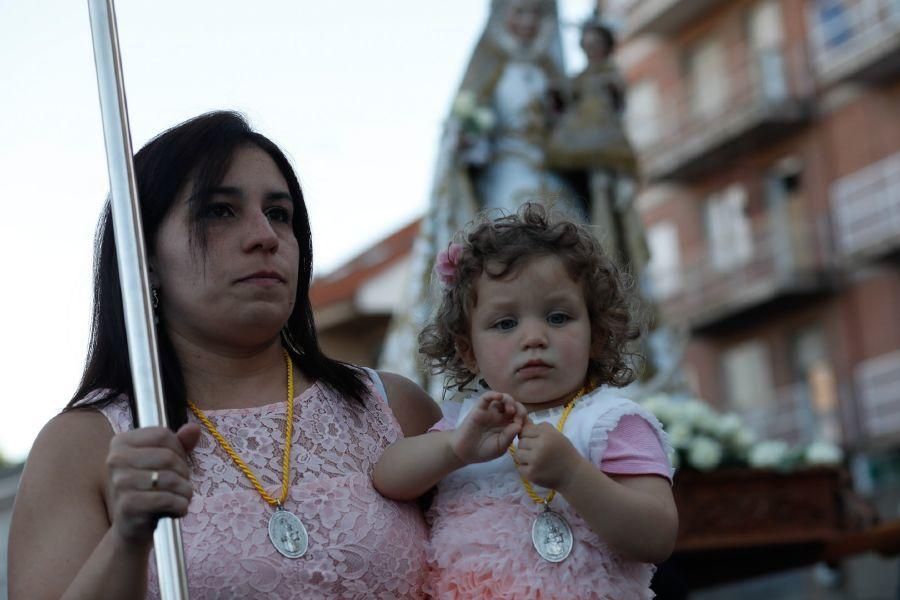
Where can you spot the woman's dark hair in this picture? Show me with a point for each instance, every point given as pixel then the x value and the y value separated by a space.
pixel 498 248
pixel 199 151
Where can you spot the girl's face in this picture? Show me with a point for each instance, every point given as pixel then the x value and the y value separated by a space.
pixel 242 291
pixel 531 334
pixel 523 20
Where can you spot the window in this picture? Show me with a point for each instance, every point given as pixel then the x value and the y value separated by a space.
pixel 834 25
pixel 642 114
pixel 765 26
pixel 748 378
pixel 708 77
pixel 791 240
pixel 728 229
pixel 815 387
pixel 766 47
pixel 664 268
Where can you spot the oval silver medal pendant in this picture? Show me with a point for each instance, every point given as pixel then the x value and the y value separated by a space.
pixel 551 535
pixel 288 534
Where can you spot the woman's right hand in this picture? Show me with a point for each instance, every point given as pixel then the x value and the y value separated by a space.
pixel 488 429
pixel 149 478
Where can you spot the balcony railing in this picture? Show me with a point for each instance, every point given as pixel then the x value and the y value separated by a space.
pixel 856 39
pixel 664 17
pixel 782 258
pixel 866 210
pixel 878 386
pixel 753 104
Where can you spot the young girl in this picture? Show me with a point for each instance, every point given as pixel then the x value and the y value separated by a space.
pixel 581 506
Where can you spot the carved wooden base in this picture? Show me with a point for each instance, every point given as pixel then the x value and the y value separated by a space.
pixel 736 508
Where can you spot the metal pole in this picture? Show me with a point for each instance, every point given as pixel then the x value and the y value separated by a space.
pixel 132 261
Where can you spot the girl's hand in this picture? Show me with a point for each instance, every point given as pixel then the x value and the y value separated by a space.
pixel 489 429
pixel 545 456
pixel 139 498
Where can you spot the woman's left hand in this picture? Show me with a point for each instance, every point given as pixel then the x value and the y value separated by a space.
pixel 545 456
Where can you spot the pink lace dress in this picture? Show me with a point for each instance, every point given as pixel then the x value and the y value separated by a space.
pixel 361 545
pixel 481 517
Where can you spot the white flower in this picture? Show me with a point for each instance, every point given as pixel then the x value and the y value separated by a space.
pixel 464 104
pixel 823 453
pixel 728 426
pixel 696 413
pixel 708 422
pixel 660 406
pixel 705 453
pixel 743 438
pixel 680 435
pixel 484 118
pixel 768 454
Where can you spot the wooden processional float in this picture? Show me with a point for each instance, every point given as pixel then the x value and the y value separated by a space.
pixel 133 276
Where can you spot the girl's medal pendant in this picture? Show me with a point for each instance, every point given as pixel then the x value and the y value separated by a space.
pixel 288 534
pixel 551 535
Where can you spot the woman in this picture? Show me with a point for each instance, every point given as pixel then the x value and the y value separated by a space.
pixel 230 265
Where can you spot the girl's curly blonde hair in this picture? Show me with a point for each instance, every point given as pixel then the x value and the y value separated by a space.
pixel 498 248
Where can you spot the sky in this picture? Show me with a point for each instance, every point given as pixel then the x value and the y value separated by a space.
pixel 355 92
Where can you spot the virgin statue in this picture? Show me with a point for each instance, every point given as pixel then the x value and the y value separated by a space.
pixel 520 131
pixel 492 152
pixel 517 73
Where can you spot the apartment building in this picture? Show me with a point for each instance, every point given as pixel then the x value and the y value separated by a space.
pixel 769 135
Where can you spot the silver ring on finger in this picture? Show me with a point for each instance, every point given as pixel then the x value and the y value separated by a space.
pixel 154 480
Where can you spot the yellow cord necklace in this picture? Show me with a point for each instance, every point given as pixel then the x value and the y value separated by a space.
pixel 550 534
pixel 286 530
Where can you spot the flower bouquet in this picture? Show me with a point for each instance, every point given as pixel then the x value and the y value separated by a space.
pixel 736 491
pixel 703 439
pixel 475 124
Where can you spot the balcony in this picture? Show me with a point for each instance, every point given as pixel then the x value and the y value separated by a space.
pixel 664 17
pixel 752 105
pixel 780 261
pixel 866 211
pixel 878 386
pixel 856 40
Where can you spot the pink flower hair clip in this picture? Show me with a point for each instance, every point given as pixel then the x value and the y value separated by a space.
pixel 446 266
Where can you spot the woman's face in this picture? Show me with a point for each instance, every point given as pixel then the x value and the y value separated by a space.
pixel 523 20
pixel 242 290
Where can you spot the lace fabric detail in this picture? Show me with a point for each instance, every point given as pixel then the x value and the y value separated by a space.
pixel 481 523
pixel 481 548
pixel 361 545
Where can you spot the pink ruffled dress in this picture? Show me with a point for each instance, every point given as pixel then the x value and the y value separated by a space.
pixel 481 517
pixel 361 545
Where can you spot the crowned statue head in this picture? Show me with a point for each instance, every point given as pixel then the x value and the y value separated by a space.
pixel 523 19
pixel 597 38
pixel 524 27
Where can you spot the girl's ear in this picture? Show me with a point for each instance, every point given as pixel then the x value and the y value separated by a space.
pixel 464 351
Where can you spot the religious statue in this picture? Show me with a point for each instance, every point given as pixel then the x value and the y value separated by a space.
pixel 516 72
pixel 492 153
pixel 589 147
pixel 520 131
